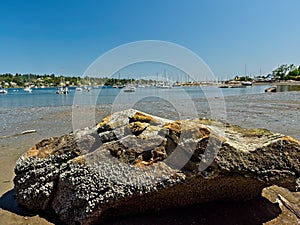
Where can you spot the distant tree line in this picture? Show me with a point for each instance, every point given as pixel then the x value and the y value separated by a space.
pixel 282 72
pixel 22 80
pixel 243 78
pixel 114 81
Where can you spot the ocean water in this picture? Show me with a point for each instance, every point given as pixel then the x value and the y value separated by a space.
pixel 41 97
pixel 52 114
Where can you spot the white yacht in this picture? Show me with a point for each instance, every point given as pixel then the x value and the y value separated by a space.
pixel 27 89
pixel 129 88
pixel 3 91
pixel 79 89
pixel 62 90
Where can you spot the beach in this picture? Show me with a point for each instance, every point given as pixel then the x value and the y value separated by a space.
pixel 277 112
pixel 13 147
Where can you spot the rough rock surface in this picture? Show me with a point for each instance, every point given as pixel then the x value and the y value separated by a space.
pixel 289 203
pixel 133 162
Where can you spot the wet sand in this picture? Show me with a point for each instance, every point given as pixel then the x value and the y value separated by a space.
pixel 12 148
pixel 277 112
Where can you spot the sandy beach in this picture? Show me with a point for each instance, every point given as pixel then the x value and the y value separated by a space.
pixel 277 112
pixel 12 148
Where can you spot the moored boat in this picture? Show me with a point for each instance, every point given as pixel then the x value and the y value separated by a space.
pixel 3 91
pixel 129 89
pixel 78 89
pixel 27 89
pixel 247 83
pixel 62 90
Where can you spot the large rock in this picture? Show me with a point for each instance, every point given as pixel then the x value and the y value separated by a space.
pixel 289 203
pixel 133 162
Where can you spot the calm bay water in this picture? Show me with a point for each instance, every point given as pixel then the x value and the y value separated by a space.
pixel 47 96
pixel 52 114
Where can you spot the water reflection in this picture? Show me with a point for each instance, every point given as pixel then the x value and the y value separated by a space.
pixel 284 88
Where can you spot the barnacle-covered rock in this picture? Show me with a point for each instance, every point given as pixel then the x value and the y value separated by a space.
pixel 133 162
pixel 289 203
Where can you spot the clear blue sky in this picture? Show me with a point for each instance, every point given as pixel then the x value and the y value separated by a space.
pixel 44 36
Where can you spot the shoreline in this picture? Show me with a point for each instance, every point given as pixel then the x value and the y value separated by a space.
pixel 289 82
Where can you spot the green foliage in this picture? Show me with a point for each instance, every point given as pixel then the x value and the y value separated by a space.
pixel 21 80
pixel 114 81
pixel 295 72
pixel 246 78
pixel 286 72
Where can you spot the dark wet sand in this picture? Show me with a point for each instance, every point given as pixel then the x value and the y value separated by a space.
pixel 278 112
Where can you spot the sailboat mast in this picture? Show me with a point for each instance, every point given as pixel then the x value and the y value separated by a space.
pixel 259 71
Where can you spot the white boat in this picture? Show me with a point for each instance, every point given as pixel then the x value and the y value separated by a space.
pixel 118 86
pixel 247 83
pixel 3 91
pixel 164 86
pixel 27 89
pixel 62 90
pixel 78 89
pixel 129 89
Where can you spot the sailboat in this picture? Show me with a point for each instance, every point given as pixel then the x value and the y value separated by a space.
pixel 164 84
pixel 247 83
pixel 27 89
pixel 129 88
pixel 3 91
pixel 63 89
pixel 79 88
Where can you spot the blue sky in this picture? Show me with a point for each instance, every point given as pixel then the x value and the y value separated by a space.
pixel 55 36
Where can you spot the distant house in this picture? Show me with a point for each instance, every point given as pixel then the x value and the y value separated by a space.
pixel 12 84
